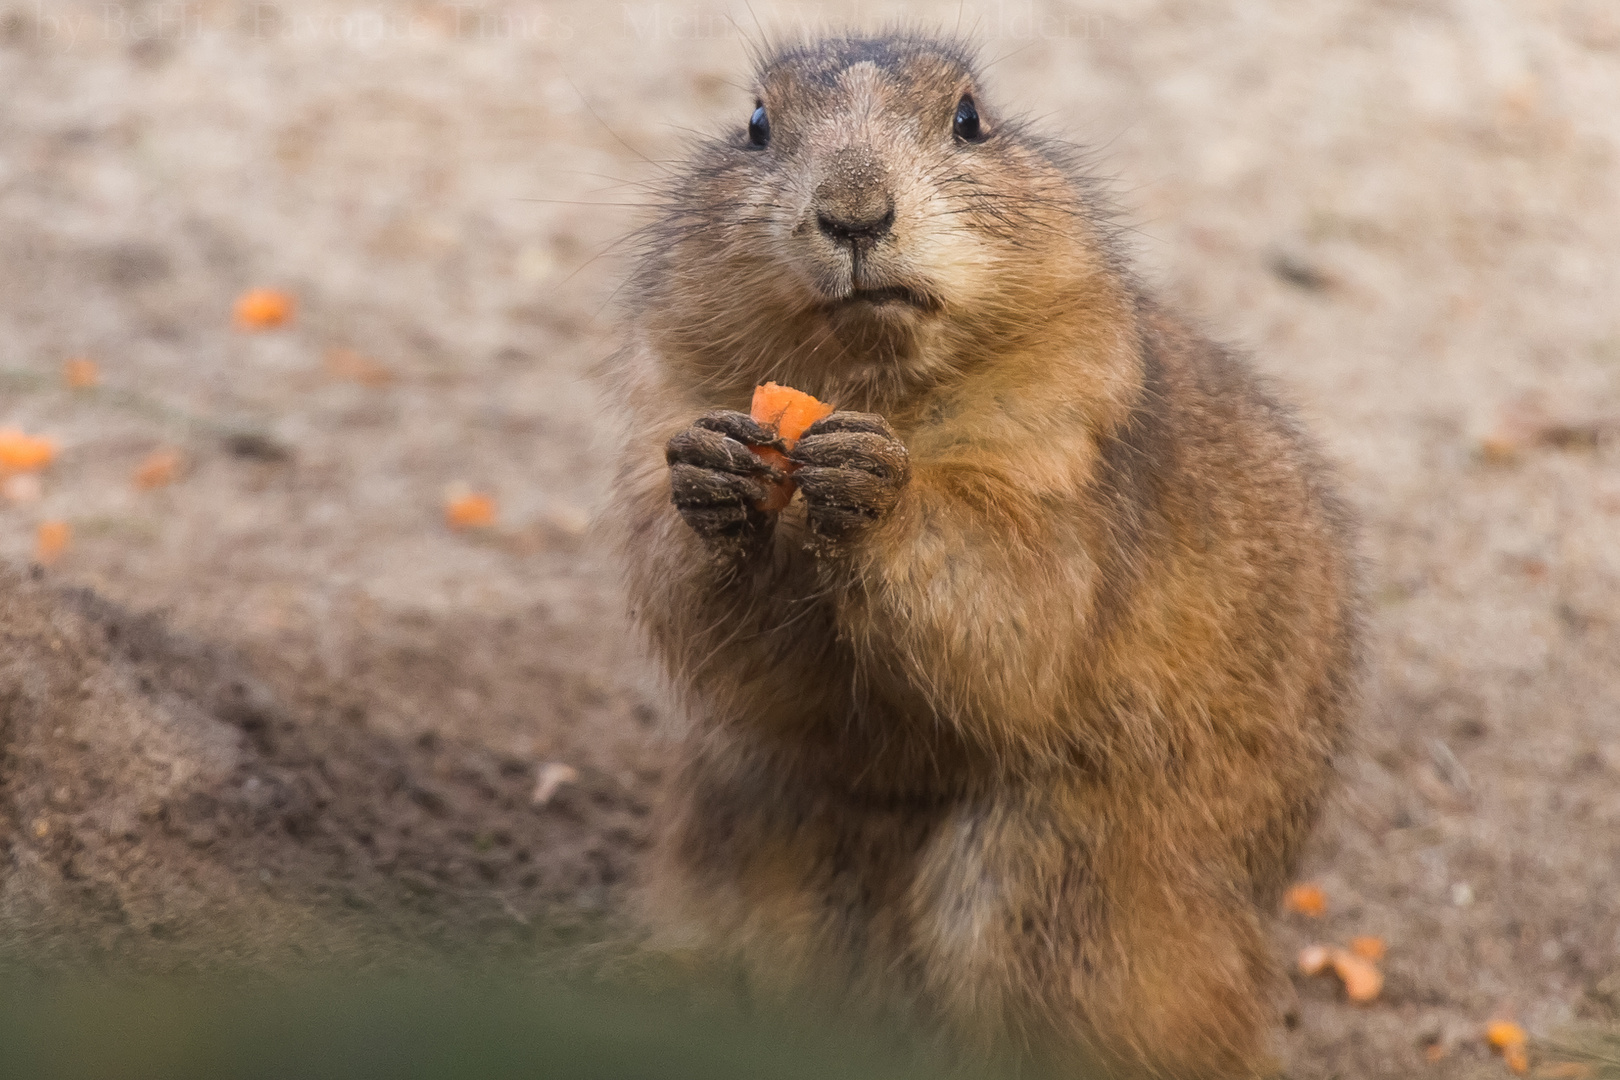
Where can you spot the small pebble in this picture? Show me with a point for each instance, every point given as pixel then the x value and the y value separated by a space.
pixel 552 776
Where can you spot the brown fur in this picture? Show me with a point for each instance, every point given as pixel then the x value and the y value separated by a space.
pixel 1031 741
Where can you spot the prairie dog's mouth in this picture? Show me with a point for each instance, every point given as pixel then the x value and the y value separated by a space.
pixel 887 295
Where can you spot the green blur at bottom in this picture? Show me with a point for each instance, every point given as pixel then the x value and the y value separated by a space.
pixel 420 1026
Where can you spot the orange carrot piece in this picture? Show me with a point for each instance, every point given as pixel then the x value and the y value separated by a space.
pixel 1508 1039
pixel 470 512
pixel 1306 899
pixel 24 453
pixel 1368 948
pixel 263 309
pixel 160 469
pixel 787 410
pixel 1362 980
pixel 790 412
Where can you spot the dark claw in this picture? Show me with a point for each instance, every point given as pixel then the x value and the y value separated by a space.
pixel 881 455
pixel 720 523
pixel 855 495
pixel 740 426
pixel 693 486
pixel 720 507
pixel 707 449
pixel 869 423
pixel 852 468
pixel 717 483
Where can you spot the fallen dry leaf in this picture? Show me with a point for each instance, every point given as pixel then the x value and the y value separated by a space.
pixel 24 453
pixel 1368 948
pixel 263 309
pixel 355 366
pixel 552 775
pixel 158 470
pixel 470 512
pixel 81 373
pixel 1306 899
pixel 52 541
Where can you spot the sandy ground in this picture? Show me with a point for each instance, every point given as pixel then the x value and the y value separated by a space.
pixel 294 715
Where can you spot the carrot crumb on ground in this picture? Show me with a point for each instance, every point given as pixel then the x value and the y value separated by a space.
pixel 24 453
pixel 263 309
pixel 1306 899
pixel 1508 1039
pixel 1502 1034
pixel 470 512
pixel 1362 980
pixel 1368 948
pixel 159 469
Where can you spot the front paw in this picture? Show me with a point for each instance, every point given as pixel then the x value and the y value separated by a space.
pixel 718 485
pixel 851 468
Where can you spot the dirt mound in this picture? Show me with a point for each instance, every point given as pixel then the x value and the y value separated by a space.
pixel 163 802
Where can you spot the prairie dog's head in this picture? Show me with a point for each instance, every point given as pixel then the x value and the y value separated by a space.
pixel 872 222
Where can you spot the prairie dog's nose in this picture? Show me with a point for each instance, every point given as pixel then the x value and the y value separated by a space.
pixel 852 203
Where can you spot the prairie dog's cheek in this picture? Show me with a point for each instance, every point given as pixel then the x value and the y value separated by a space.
pixel 941 243
pixel 952 260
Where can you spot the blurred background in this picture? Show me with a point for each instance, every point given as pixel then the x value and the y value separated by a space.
pixel 310 653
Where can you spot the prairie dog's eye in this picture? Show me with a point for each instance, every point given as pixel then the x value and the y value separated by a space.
pixel 759 126
pixel 966 127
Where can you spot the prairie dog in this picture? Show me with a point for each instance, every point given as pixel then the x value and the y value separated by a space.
pixel 1019 714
